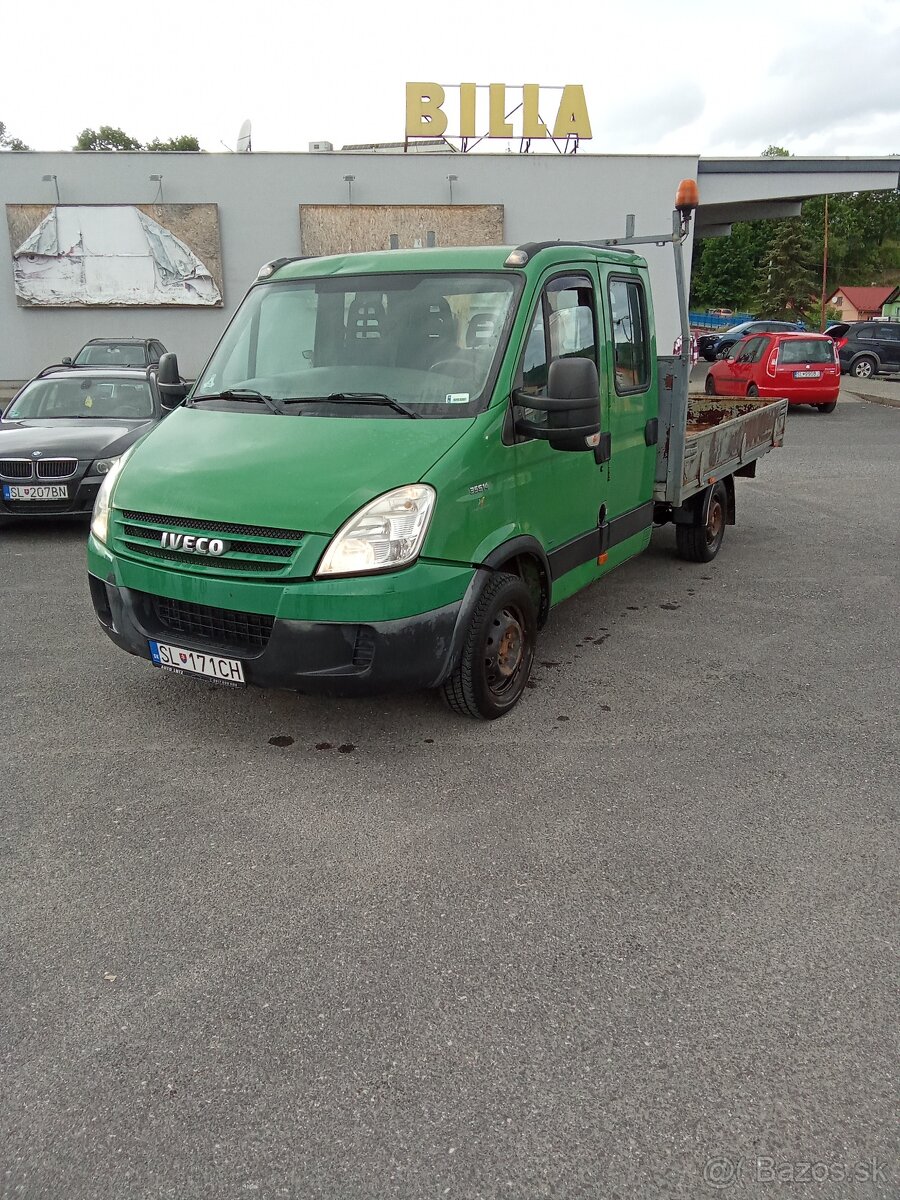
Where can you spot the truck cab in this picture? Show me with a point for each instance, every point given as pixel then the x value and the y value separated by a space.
pixel 392 467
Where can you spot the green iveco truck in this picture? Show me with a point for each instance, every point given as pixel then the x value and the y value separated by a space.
pixel 394 465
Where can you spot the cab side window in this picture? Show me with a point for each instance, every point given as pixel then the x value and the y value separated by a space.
pixel 563 327
pixel 630 335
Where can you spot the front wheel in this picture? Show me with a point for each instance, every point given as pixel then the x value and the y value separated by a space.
pixel 701 541
pixel 497 653
pixel 753 391
pixel 827 408
pixel 710 386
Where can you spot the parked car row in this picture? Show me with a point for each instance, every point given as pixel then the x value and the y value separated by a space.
pixel 865 348
pixel 65 430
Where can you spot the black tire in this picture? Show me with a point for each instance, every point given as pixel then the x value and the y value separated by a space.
pixel 752 392
pixel 497 653
pixel 710 386
pixel 864 368
pixel 701 543
pixel 827 408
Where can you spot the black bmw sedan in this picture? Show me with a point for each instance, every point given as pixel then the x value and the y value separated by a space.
pixel 63 431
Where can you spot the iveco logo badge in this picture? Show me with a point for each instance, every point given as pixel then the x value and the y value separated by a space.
pixel 188 544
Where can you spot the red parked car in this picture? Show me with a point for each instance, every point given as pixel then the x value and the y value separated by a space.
pixel 803 368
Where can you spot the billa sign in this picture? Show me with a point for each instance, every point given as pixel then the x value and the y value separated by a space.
pixel 425 116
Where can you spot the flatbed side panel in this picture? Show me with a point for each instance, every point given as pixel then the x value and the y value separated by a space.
pixel 715 447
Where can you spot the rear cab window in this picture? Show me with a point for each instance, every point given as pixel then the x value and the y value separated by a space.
pixel 631 340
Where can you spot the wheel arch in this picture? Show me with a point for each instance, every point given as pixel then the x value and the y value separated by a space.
pixel 525 556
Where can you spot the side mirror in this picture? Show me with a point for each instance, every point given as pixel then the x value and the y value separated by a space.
pixel 572 406
pixel 67 361
pixel 172 388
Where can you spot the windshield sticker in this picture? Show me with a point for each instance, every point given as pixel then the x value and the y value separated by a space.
pixel 209 384
pixel 457 398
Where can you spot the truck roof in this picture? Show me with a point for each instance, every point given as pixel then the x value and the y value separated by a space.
pixel 446 258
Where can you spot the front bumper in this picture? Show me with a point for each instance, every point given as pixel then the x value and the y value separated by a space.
pixel 80 501
pixel 361 636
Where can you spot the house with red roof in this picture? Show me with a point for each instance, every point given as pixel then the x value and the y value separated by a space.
pixel 860 303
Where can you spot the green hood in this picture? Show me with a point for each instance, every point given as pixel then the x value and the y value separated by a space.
pixel 291 472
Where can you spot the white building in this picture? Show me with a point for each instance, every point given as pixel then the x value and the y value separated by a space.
pixel 258 199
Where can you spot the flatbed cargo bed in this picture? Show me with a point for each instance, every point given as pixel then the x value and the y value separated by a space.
pixel 704 438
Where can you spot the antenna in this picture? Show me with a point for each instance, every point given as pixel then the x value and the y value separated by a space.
pixel 243 142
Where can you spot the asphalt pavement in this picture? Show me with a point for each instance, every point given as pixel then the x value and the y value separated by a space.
pixel 633 940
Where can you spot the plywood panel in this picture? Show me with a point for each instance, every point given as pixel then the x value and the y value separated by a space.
pixel 350 228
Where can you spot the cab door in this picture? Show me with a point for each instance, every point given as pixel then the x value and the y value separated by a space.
pixel 559 493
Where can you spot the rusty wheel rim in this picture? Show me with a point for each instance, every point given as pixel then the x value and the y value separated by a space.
pixel 506 653
pixel 715 522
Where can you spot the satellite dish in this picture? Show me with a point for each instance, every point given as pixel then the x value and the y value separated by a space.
pixel 243 142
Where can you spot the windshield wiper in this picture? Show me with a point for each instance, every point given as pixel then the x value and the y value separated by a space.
pixel 356 398
pixel 243 394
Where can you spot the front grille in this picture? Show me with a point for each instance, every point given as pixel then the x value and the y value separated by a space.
pixel 202 560
pixel 214 527
pixel 281 550
pixel 216 626
pixel 258 550
pixel 15 468
pixel 57 468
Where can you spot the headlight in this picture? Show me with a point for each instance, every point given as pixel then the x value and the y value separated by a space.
pixel 387 533
pixel 100 518
pixel 102 466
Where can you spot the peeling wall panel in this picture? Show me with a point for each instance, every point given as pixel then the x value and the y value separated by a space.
pixel 148 256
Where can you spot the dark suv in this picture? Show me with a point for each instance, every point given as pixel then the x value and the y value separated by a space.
pixel 867 347
pixel 717 345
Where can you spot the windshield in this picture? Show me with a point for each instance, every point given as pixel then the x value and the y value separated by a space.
pixel 431 342
pixel 112 354
pixel 803 350
pixel 55 399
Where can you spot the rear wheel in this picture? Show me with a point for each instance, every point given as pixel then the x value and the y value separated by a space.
pixel 864 368
pixel 497 653
pixel 710 386
pixel 827 408
pixel 702 540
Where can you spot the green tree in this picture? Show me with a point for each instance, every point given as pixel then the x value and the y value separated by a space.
pixel 185 142
pixel 786 279
pixel 776 152
pixel 8 142
pixel 106 138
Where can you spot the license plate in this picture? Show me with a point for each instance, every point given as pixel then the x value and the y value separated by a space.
pixel 36 492
pixel 807 374
pixel 193 662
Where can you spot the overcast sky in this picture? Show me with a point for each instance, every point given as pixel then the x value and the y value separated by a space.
pixel 693 76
